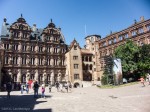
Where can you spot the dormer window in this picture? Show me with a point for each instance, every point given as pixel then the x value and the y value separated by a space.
pixel 75 47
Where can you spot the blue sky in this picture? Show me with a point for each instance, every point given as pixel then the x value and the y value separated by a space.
pixel 99 16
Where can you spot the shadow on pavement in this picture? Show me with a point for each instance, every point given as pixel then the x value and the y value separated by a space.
pixel 23 103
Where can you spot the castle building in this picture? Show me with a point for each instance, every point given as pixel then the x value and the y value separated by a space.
pixel 139 32
pixel 32 53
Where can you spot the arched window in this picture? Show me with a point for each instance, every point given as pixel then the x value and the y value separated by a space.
pixel 91 66
pixel 86 58
pixel 86 67
pixel 15 77
pixel 23 78
pixel 90 58
pixel 32 77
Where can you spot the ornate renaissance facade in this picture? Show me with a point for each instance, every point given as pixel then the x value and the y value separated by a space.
pixel 139 33
pixel 42 55
pixel 32 53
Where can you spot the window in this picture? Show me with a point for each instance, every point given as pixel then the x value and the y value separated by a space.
pixel 75 47
pixel 133 33
pixel 15 59
pixel 141 30
pixel 40 61
pixel 40 49
pixel 120 37
pixel 48 49
pixel 76 76
pixel 32 48
pixel 94 69
pixel 63 62
pixel 90 58
pixel 6 46
pixel 48 61
pixel 55 50
pixel 104 44
pixel 32 61
pixel 114 40
pixel 48 38
pixel 75 57
pixel 126 35
pixel 148 27
pixel 76 66
pixel 6 60
pixel 24 48
pixel 15 47
pixel 24 60
pixel 109 42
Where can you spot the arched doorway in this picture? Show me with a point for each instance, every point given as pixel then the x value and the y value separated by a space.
pixel 23 78
pixel 40 79
pixel 87 77
pixel 76 85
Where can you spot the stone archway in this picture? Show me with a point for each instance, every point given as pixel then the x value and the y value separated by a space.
pixel 87 77
pixel 76 85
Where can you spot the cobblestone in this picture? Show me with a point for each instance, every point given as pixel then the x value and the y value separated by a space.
pixel 90 99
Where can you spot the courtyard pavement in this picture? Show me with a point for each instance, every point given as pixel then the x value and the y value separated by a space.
pixel 132 98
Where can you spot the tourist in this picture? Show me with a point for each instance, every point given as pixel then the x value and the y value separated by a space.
pixel 67 86
pixel 57 85
pixel 70 85
pixel 8 88
pixel 36 87
pixel 27 88
pixel 50 87
pixel 61 87
pixel 22 88
pixel 148 77
pixel 142 81
pixel 43 92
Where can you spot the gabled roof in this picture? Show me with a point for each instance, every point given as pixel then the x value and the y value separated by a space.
pixel 86 51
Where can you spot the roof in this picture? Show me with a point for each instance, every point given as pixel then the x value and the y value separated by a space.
pixel 93 35
pixel 86 51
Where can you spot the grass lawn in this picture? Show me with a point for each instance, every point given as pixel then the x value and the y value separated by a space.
pixel 113 86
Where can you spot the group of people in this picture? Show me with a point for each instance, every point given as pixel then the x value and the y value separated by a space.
pixel 143 80
pixel 35 86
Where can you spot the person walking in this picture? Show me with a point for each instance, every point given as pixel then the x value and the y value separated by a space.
pixel 142 81
pixel 148 78
pixel 8 88
pixel 36 87
pixel 50 87
pixel 67 86
pixel 57 86
pixel 43 92
pixel 27 88
pixel 22 88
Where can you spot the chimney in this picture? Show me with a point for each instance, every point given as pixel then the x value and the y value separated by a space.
pixel 142 18
pixel 34 27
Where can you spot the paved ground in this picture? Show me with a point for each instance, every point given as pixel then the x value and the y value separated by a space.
pixel 91 99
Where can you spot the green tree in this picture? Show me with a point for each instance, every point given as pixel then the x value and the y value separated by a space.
pixel 144 59
pixel 128 53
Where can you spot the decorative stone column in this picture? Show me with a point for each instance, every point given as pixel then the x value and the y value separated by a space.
pixel 27 76
pixel 28 48
pixel 19 47
pixel 52 49
pixel 59 76
pixel 44 77
pixel 36 75
pixel 52 78
pixel 11 35
pixel 19 60
pixel 36 48
pixel 36 61
pixel 44 61
pixel 10 60
pixel 28 60
pixel 10 73
pixel 19 75
pixel 52 62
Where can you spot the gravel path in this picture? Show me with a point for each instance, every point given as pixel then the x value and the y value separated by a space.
pixel 91 99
